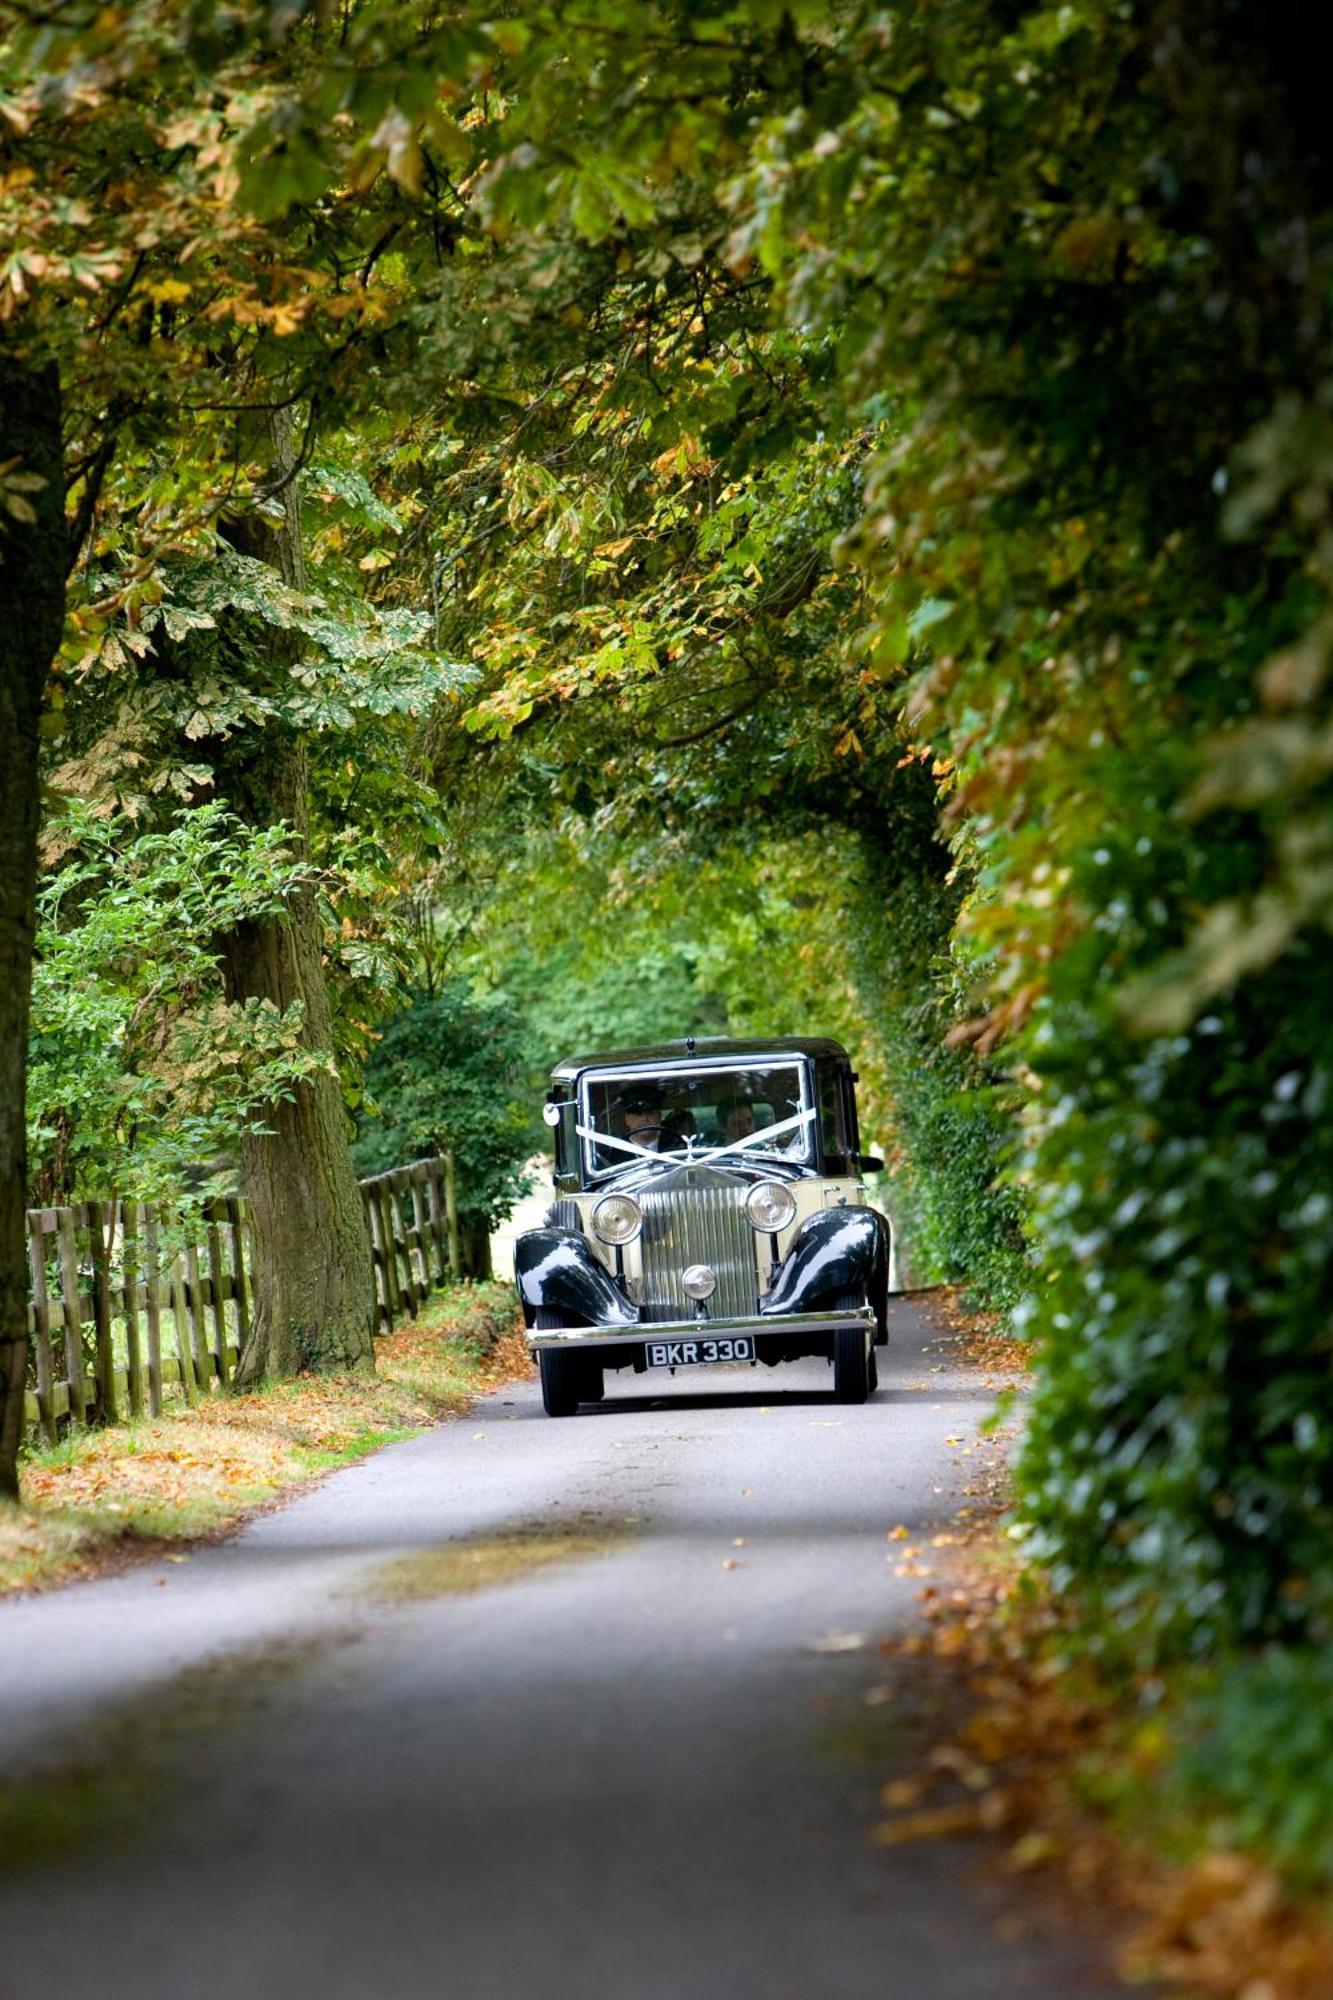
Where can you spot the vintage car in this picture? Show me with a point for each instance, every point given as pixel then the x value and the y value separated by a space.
pixel 709 1208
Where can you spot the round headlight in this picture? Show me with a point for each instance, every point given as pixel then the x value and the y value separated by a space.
pixel 698 1282
pixel 770 1206
pixel 617 1218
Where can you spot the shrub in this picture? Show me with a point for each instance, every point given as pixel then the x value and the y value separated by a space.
pixel 449 1075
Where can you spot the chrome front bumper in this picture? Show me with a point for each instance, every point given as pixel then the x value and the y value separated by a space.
pixel 695 1329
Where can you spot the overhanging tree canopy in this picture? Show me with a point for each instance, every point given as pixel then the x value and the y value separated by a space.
pixel 774 395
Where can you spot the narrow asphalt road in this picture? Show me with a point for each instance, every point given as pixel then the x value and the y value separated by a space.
pixel 305 1763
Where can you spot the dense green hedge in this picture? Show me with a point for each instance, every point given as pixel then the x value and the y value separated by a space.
pixel 1101 545
pixel 958 1216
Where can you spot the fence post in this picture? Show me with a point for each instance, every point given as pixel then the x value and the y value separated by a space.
pixel 391 1285
pixel 420 1246
pixel 371 1212
pixel 100 1217
pixel 203 1360
pixel 131 1224
pixel 217 1303
pixel 439 1263
pixel 69 1304
pixel 451 1217
pixel 153 1305
pixel 400 1185
pixel 41 1320
pixel 241 1294
pixel 180 1315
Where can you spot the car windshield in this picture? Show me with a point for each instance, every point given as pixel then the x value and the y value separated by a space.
pixel 695 1114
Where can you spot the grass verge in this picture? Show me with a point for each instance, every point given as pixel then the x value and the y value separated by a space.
pixel 103 1497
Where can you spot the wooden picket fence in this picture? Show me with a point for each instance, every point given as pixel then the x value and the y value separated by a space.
pixel 413 1222
pixel 126 1306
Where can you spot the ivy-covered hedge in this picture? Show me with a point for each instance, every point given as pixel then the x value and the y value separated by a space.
pixel 1100 542
pixel 957 1213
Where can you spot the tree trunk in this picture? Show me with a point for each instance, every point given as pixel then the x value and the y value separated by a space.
pixel 33 567
pixel 476 1247
pixel 313 1279
pixel 314 1296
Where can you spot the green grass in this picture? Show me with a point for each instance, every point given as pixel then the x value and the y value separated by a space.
pixel 355 1448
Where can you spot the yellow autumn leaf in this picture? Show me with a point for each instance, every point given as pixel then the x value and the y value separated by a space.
pixel 901 1794
pixel 1033 1850
pixel 931 1823
pixel 164 291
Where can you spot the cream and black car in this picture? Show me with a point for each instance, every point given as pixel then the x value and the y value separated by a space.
pixel 709 1208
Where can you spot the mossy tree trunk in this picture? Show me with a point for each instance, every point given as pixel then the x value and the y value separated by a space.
pixel 313 1279
pixel 34 563
pixel 314 1297
pixel 476 1247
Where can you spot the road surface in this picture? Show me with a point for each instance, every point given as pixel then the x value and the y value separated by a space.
pixel 519 1708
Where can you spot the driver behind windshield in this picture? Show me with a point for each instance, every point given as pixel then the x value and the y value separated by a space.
pixel 638 1116
pixel 648 1119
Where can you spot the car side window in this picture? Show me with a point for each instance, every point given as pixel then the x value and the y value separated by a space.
pixel 832 1123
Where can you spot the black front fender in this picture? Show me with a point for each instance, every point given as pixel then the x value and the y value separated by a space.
pixel 556 1268
pixel 837 1251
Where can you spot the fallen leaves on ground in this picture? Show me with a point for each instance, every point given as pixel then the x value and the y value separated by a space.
pixel 980 1336
pixel 1032 1724
pixel 102 1496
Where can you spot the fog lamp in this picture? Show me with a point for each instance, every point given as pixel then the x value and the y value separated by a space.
pixel 617 1218
pixel 698 1282
pixel 769 1206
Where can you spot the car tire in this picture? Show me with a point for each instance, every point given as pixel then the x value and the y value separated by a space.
pixel 561 1381
pixel 882 1319
pixel 854 1369
pixel 562 1371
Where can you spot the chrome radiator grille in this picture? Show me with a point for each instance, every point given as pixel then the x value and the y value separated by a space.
pixel 701 1225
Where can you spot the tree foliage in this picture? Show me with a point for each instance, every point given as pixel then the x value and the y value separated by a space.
pixel 448 1076
pixel 141 1070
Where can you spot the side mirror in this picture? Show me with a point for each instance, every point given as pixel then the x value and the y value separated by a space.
pixel 868 1164
pixel 559 1114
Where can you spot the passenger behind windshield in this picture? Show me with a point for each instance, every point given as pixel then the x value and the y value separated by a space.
pixel 736 1119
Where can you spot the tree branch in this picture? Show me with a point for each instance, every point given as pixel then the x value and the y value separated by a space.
pixel 94 479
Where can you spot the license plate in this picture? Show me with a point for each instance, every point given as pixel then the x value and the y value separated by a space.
pixel 693 1353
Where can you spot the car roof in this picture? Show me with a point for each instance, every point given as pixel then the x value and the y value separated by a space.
pixel 698 1049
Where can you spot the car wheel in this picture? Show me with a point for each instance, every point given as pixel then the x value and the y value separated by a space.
pixel 854 1370
pixel 562 1371
pixel 561 1382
